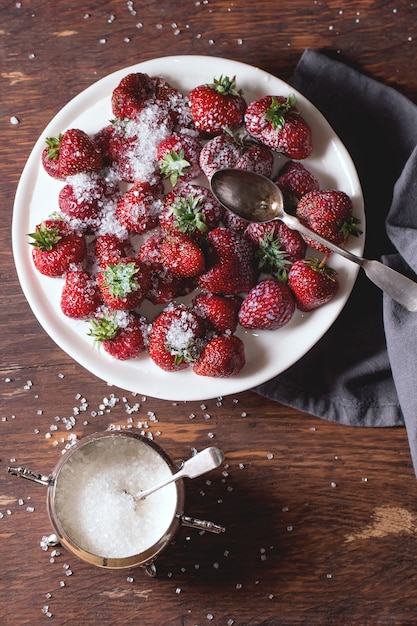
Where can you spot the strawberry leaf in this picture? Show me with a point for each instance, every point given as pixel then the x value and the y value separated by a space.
pixel 276 112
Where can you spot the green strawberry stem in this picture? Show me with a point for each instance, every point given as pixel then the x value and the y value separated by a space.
pixel 121 279
pixel 174 165
pixel 188 216
pixel 276 112
pixel 45 238
pixel 225 86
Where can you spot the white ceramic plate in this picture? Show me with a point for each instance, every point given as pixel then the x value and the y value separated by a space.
pixel 267 353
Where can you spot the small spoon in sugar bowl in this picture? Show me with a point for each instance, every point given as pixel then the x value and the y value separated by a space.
pixel 204 461
pixel 258 199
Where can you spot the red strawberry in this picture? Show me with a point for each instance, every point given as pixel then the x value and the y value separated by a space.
pixel 182 256
pixel 74 151
pixel 50 159
pixel 217 106
pixel 220 311
pixel 124 285
pixel 172 102
pixel 222 357
pixel 190 209
pixel 82 198
pixel 131 94
pixel 138 209
pixel 164 287
pixel 233 267
pixel 57 247
pixel 277 246
pixel 256 158
pixel 176 338
pixel 150 251
pixel 178 156
pixel 313 283
pixel 80 296
pixel 328 213
pixel 220 152
pixel 295 181
pixel 123 335
pixel 268 306
pixel 275 121
pixel 109 248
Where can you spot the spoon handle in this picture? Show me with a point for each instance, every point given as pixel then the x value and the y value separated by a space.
pixel 203 462
pixel 399 287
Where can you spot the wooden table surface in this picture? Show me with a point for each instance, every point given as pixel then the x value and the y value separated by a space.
pixel 321 518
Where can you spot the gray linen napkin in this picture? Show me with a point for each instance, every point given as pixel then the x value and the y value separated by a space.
pixel 363 372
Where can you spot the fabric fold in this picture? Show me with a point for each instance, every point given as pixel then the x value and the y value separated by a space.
pixel 363 371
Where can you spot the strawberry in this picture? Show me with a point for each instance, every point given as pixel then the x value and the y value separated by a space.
pixel 72 153
pixel 275 122
pixel 182 256
pixel 150 251
pixel 81 198
pixel 313 283
pixel 164 287
pixel 49 158
pixel 124 285
pixel 131 94
pixel 57 247
pixel 277 247
pixel 220 152
pixel 122 334
pixel 190 209
pixel 233 267
pixel 256 158
pixel 222 357
pixel 295 180
pixel 178 156
pixel 176 338
pixel 138 209
pixel 80 296
pixel 219 311
pixel 268 306
pixel 110 248
pixel 328 213
pixel 172 102
pixel 216 106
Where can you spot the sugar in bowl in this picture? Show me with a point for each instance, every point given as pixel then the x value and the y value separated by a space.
pixel 95 504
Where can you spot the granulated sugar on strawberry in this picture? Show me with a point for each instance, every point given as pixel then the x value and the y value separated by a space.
pixel 329 214
pixel 122 334
pixel 313 283
pixel 276 122
pixel 268 306
pixel 57 248
pixel 216 106
pixel 176 338
pixel 80 296
pixel 223 356
pixel 138 209
pixel 109 248
pixel 179 157
pixel 82 198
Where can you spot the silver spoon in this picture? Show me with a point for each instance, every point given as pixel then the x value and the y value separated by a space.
pixel 202 462
pixel 258 199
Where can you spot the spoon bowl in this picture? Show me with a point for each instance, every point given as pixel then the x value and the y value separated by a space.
pixel 256 198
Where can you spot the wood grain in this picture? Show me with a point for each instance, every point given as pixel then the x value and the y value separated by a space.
pixel 321 519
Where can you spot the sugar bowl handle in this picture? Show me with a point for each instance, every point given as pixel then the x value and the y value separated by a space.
pixel 24 472
pixel 201 524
